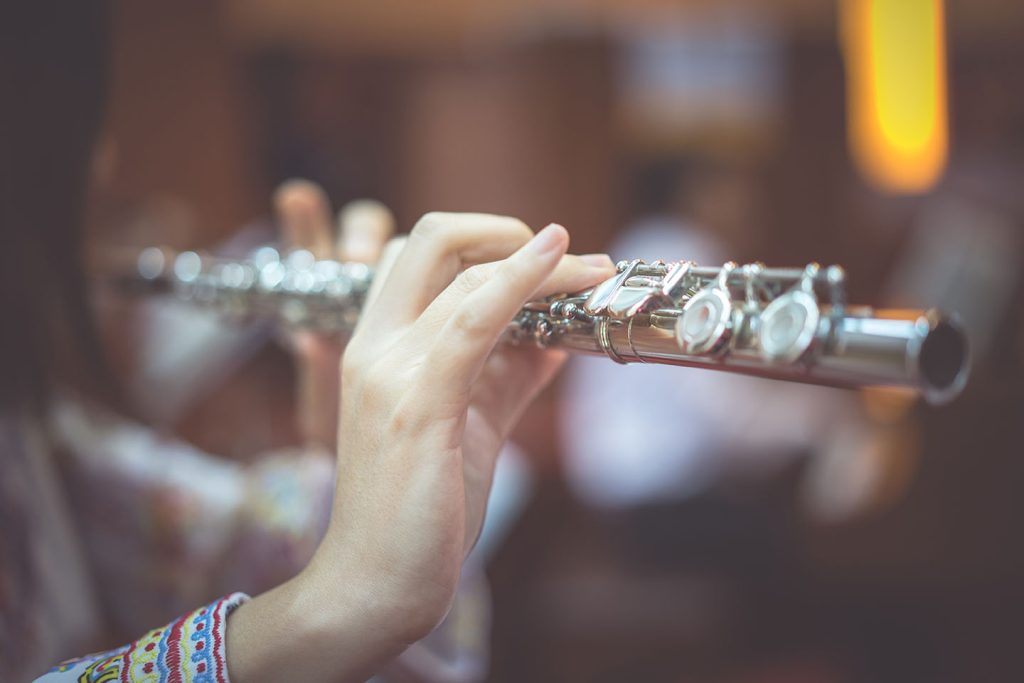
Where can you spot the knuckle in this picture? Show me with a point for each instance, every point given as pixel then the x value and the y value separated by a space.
pixel 430 225
pixel 473 277
pixel 468 321
pixel 399 420
pixel 514 230
pixel 522 228
pixel 409 412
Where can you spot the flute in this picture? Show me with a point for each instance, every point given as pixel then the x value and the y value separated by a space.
pixel 792 324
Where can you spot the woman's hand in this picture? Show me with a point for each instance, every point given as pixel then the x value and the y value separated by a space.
pixel 428 401
pixel 363 227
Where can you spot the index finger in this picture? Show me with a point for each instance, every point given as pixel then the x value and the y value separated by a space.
pixel 439 247
pixel 462 346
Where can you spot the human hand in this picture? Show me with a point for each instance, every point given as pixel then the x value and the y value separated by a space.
pixel 304 215
pixel 428 399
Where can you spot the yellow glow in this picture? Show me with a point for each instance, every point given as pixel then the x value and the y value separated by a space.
pixel 895 54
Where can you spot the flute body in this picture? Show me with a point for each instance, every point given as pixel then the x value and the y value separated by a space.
pixel 791 324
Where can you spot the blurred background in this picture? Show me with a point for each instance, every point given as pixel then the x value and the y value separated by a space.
pixel 661 524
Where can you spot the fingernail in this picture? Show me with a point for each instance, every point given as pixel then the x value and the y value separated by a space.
pixel 597 260
pixel 547 240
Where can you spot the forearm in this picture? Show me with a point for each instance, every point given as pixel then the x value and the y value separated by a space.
pixel 312 630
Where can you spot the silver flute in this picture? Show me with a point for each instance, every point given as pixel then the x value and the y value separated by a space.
pixel 791 324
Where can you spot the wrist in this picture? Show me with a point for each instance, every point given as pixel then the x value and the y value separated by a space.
pixel 339 596
pixel 310 629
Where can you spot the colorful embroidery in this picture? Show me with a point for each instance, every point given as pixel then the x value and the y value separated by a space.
pixel 88 667
pixel 101 671
pixel 188 650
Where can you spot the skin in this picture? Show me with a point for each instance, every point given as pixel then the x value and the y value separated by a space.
pixel 428 402
pixel 304 215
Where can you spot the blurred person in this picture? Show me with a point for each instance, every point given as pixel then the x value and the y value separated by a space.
pixel 428 405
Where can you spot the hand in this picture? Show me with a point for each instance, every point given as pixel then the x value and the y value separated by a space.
pixel 304 215
pixel 428 401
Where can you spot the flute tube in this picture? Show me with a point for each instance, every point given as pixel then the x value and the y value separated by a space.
pixel 924 351
pixel 783 323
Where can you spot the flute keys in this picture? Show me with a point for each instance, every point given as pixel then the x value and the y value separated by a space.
pixel 264 256
pixel 272 275
pixel 188 266
pixel 151 263
pixel 788 327
pixel 300 259
pixel 706 323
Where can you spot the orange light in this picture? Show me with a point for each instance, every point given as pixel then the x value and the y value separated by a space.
pixel 895 52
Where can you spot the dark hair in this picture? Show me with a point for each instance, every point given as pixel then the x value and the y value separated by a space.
pixel 53 78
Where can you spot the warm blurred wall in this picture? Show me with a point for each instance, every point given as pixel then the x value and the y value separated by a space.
pixel 411 26
pixel 177 116
pixel 526 132
pixel 187 127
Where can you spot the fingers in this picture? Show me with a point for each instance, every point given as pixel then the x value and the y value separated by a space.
pixel 576 273
pixel 364 227
pixel 511 380
pixel 304 214
pixel 303 210
pixel 439 247
pixel 473 328
pixel 382 270
pixel 572 274
pixel 317 389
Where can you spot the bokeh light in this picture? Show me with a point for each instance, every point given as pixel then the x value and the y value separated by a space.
pixel 896 91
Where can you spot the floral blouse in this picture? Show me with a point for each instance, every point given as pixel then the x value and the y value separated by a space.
pixel 107 529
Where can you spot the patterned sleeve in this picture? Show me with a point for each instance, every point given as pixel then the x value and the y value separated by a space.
pixel 190 648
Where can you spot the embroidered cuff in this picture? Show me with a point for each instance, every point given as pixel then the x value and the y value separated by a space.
pixel 190 648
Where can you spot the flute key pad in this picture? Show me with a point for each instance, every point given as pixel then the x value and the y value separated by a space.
pixel 706 323
pixel 789 325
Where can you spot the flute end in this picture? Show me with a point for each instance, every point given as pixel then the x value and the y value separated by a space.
pixel 943 361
